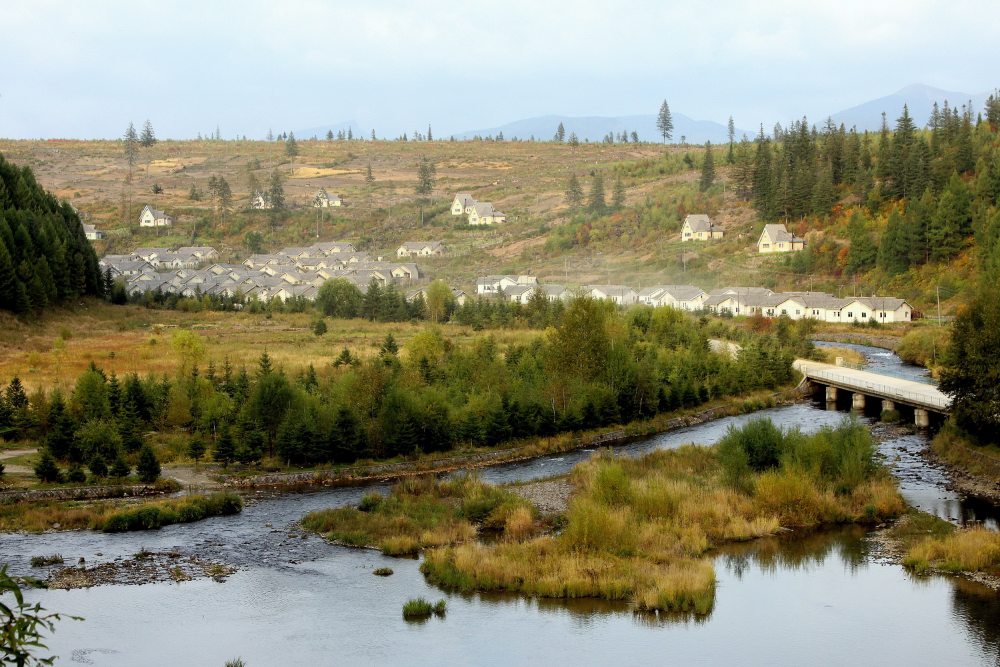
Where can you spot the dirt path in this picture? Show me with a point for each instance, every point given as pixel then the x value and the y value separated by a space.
pixel 192 476
pixel 13 454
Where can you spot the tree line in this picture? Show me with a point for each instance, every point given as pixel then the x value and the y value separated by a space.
pixel 937 187
pixel 596 366
pixel 45 258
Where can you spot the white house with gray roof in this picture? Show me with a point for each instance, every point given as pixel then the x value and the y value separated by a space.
pixel 776 238
pixel 699 227
pixel 462 204
pixel 483 213
pixel 421 249
pixel 621 295
pixel 151 217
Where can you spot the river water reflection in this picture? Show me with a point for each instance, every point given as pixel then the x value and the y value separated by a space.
pixel 820 598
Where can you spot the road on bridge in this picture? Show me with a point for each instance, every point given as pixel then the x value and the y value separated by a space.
pixel 912 393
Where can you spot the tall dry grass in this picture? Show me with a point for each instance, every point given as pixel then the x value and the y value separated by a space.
pixel 422 512
pixel 970 550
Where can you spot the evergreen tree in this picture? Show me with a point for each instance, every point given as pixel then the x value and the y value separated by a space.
pixel 970 375
pixel 862 254
pixel 665 122
pixel 707 169
pixel 291 146
pixel 148 137
pixel 618 195
pixel 574 193
pixel 893 255
pixel 131 146
pixel 46 469
pixel 951 221
pixel 596 202
pixel 196 448
pixel 329 135
pixel 120 468
pixel 425 177
pixel 731 128
pixel 824 196
pixel 276 191
pixel 148 467
pixel 61 435
pixel 560 135
pixel 225 449
pixel 98 466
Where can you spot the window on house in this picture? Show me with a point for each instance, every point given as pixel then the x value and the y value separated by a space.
pixel 864 315
pixel 850 314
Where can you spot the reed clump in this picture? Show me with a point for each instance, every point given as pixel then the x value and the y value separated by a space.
pixel 109 516
pixel 968 550
pixel 637 529
pixel 185 510
pixel 423 512
pixel 419 608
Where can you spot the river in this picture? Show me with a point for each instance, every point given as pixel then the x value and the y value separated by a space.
pixel 822 598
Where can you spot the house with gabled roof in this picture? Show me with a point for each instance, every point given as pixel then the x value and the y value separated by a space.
pixel 699 227
pixel 202 252
pixel 324 200
pixel 151 217
pixel 483 213
pixel 331 247
pixel 92 233
pixel 621 295
pixel 555 292
pixel 462 204
pixel 776 238
pixel 421 249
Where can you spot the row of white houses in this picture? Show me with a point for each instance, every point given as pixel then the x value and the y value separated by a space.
pixel 728 300
pixel 288 273
pixel 478 212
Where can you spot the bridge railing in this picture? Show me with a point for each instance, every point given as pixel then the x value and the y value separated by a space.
pixel 933 398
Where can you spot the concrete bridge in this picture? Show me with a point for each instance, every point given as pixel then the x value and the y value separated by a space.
pixel 863 386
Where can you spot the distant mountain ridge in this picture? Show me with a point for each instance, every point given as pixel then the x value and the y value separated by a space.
pixel 595 128
pixel 919 99
pixel 865 116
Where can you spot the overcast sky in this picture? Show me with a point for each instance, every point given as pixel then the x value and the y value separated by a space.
pixel 85 69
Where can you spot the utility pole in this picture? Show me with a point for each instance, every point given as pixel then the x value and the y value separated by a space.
pixel 938 290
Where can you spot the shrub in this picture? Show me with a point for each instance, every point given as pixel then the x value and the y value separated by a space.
pixel 120 468
pixel 98 467
pixel 383 572
pixel 148 468
pixel 76 474
pixel 755 447
pixel 417 608
pixel 45 561
pixel 185 510
pixel 46 469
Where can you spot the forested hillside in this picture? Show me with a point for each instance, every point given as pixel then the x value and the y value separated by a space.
pixel 44 256
pixel 909 196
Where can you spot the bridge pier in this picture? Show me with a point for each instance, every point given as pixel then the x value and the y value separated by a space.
pixel 922 418
pixel 888 405
pixel 831 394
pixel 858 401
